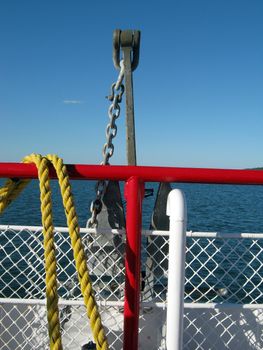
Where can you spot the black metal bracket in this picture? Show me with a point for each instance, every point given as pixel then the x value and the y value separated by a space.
pixel 89 346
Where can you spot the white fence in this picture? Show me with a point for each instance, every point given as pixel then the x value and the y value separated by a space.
pixel 223 291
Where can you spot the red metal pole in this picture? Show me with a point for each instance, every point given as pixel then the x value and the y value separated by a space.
pixel 146 173
pixel 134 193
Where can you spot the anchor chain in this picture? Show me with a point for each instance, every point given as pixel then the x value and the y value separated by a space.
pixel 117 91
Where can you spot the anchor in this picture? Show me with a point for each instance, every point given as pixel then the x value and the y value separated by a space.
pixel 110 211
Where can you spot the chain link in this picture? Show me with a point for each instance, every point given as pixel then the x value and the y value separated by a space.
pixel 117 90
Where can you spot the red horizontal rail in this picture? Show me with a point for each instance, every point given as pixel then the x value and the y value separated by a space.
pixel 146 173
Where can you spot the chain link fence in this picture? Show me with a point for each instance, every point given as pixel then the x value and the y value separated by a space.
pixel 223 289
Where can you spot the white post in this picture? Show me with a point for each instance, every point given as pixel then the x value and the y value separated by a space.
pixel 176 210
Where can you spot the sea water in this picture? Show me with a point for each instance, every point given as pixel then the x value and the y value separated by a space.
pixel 221 208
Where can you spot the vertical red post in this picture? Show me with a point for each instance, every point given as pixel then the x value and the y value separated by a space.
pixel 134 193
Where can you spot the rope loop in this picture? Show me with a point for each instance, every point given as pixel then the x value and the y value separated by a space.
pixel 8 193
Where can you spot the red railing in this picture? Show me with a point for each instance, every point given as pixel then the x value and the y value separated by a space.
pixel 146 173
pixel 135 176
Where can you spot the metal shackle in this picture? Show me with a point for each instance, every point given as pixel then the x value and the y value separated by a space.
pixel 126 39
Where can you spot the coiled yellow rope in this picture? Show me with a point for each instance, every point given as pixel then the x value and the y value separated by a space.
pixel 9 192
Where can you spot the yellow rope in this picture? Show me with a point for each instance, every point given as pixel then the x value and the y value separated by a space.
pixel 49 250
pixel 10 191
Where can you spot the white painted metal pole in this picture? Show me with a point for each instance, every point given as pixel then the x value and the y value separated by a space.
pixel 176 210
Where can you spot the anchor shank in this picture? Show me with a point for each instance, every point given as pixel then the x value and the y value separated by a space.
pixel 130 126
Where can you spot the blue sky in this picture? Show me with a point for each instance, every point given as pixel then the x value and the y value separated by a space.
pixel 198 87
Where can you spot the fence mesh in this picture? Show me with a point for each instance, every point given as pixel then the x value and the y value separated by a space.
pixel 219 270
